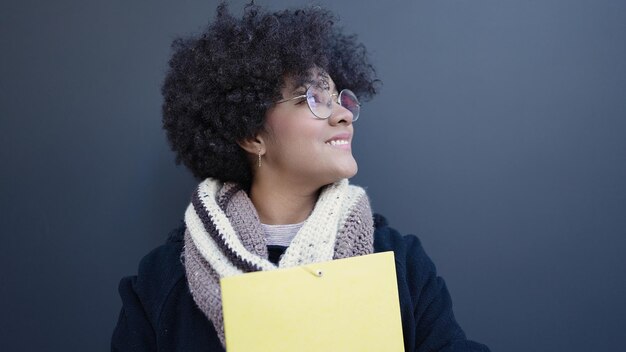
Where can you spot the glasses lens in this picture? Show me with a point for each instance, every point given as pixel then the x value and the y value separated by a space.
pixel 348 100
pixel 319 101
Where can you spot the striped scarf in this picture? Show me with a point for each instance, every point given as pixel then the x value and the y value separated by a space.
pixel 224 237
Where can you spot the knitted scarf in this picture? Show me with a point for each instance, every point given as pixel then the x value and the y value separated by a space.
pixel 224 237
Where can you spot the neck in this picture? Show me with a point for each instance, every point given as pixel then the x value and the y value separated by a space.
pixel 279 204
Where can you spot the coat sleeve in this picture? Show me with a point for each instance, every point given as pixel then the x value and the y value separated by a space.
pixel 426 307
pixel 436 328
pixel 133 332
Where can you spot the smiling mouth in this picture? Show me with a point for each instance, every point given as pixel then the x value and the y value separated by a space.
pixel 338 142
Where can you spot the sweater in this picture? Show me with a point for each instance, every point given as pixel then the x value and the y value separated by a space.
pixel 159 314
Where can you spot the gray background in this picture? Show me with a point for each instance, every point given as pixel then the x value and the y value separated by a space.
pixel 499 138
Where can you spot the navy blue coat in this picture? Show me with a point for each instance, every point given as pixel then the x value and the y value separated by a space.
pixel 158 312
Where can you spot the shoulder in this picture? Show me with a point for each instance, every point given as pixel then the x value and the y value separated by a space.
pixel 159 272
pixel 408 250
pixel 164 261
pixel 388 238
pixel 425 303
pixel 158 312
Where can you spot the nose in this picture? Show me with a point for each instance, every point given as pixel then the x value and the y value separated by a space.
pixel 340 115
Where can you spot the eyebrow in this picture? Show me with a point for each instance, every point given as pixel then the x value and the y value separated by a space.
pixel 309 82
pixel 298 91
pixel 302 84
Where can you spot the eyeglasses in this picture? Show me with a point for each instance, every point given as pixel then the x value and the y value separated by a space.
pixel 320 101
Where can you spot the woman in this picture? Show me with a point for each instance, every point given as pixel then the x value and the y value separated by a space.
pixel 261 109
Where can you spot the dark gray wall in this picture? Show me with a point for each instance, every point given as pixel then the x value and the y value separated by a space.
pixel 499 138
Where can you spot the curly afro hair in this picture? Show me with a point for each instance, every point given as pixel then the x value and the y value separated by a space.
pixel 221 81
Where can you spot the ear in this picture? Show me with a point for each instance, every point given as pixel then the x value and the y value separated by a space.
pixel 253 145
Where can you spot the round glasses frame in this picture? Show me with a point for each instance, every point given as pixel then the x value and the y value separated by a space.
pixel 309 97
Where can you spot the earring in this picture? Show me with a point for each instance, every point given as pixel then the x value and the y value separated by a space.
pixel 259 157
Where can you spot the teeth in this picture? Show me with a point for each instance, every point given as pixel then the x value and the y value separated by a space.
pixel 337 142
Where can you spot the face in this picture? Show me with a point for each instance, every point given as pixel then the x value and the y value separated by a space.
pixel 301 148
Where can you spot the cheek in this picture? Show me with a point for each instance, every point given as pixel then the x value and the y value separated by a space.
pixel 298 135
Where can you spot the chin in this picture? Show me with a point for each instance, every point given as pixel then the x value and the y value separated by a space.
pixel 353 172
pixel 346 169
pixel 349 171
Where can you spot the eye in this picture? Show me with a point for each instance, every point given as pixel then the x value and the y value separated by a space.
pixel 315 97
pixel 318 96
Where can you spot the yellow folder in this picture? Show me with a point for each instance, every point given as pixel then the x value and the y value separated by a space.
pixel 342 305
